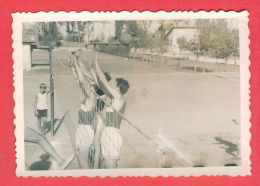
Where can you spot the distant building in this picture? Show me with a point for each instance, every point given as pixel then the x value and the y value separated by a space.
pixel 87 31
pixel 179 28
pixel 29 39
pixel 101 31
pixel 189 32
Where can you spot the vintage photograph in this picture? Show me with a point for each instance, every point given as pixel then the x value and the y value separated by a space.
pixel 166 93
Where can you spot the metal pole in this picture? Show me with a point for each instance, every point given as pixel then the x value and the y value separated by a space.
pixel 51 92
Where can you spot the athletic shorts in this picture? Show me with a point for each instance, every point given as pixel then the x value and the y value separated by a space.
pixel 111 142
pixel 84 136
pixel 42 113
pixel 100 125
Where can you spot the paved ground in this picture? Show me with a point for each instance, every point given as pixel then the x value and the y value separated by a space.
pixel 61 140
pixel 181 111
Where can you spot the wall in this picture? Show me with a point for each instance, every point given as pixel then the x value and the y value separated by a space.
pixel 188 33
pixel 27 60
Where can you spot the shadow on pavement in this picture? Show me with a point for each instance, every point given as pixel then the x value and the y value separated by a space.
pixel 230 147
pixel 56 124
pixel 43 164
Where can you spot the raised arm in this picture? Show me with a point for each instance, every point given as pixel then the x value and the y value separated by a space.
pixel 107 88
pixel 94 75
pixel 83 82
pixel 35 102
pixel 48 91
pixel 85 72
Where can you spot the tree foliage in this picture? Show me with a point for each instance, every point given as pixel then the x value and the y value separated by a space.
pixel 183 43
pixel 76 30
pixel 49 34
pixel 143 38
pixel 225 42
pixel 214 39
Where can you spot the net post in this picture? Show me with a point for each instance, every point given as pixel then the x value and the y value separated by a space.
pixel 51 92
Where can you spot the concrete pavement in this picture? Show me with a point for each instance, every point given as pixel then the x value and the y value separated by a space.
pixel 182 111
pixel 61 140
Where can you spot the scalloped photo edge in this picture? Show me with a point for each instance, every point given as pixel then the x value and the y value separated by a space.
pixel 21 17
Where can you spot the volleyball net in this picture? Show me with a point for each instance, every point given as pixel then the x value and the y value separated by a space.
pixel 71 97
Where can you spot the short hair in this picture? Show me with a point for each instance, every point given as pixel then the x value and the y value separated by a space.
pixel 98 90
pixel 123 85
pixel 108 77
pixel 42 84
pixel 100 105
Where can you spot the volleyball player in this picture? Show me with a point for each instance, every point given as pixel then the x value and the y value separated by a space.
pixel 111 140
pixel 98 124
pixel 84 133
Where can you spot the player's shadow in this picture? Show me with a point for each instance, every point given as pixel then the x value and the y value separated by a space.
pixel 229 147
pixel 43 164
pixel 57 124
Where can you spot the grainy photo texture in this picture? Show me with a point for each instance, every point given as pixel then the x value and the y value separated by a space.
pixel 131 94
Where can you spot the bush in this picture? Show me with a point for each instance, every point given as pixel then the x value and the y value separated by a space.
pixel 118 50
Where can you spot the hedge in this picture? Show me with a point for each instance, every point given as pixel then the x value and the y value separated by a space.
pixel 118 50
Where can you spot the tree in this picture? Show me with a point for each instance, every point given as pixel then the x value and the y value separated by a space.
pixel 215 39
pixel 157 40
pixel 49 34
pixel 161 40
pixel 182 43
pixel 119 27
pixel 75 30
pixel 198 45
pixel 226 45
pixel 148 35
pixel 224 40
pixel 138 34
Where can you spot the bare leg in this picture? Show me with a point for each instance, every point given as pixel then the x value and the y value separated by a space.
pixel 44 120
pixel 109 163
pixel 83 157
pixel 39 124
pixel 97 150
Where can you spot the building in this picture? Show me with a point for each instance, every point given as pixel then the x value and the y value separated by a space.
pixel 29 42
pixel 101 31
pixel 177 29
pixel 189 32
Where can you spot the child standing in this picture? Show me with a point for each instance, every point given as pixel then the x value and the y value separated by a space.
pixel 41 107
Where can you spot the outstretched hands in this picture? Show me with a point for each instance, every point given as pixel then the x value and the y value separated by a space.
pixel 108 89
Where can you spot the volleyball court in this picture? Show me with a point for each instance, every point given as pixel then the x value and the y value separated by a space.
pixel 70 99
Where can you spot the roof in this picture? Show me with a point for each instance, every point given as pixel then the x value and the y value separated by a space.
pixel 29 38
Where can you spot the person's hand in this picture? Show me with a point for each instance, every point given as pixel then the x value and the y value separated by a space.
pixel 74 53
pixel 92 83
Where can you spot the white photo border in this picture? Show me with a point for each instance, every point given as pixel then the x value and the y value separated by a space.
pixel 242 170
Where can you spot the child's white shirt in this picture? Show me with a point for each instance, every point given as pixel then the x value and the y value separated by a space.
pixel 42 101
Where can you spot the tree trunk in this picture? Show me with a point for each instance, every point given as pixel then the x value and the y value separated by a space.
pixel 235 61
pixel 162 59
pixel 196 63
pixel 134 53
pixel 226 60
pixel 204 65
pixel 178 65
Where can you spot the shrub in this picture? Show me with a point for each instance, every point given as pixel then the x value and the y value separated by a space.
pixel 118 50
